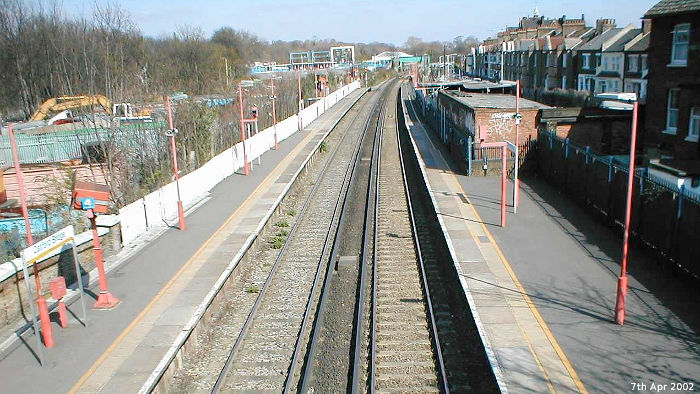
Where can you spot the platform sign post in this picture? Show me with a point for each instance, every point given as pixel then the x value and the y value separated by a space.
pixel 505 147
pixel 40 250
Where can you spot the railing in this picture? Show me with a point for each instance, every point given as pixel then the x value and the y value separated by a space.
pixel 665 218
pixel 68 145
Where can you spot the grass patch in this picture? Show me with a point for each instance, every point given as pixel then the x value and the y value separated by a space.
pixel 292 212
pixel 277 242
pixel 282 223
pixel 282 233
pixel 323 147
pixel 253 289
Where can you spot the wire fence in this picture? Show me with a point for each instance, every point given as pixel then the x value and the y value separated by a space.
pixel 71 144
pixel 665 217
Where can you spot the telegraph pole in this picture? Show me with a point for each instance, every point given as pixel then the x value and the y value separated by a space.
pixel 172 131
pixel 274 114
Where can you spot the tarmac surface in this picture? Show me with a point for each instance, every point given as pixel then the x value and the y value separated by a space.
pixel 102 352
pixel 565 264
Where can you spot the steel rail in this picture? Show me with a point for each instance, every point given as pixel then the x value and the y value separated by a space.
pixel 318 322
pixel 340 215
pixel 424 279
pixel 258 301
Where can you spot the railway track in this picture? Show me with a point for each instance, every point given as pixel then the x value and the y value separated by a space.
pixel 266 350
pixel 406 354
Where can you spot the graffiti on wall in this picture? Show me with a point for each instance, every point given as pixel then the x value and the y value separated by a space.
pixel 500 124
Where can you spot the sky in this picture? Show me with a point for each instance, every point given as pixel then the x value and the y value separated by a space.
pixel 389 21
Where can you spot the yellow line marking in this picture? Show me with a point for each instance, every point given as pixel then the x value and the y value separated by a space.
pixel 548 333
pixel 550 336
pixel 300 145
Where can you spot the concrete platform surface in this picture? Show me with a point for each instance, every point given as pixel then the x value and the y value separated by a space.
pixel 162 284
pixel 544 288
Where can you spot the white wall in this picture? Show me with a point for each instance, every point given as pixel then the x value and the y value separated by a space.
pixel 160 207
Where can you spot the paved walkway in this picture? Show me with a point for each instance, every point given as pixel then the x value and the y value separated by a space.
pixel 544 290
pixel 162 284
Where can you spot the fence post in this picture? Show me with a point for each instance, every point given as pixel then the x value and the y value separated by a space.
pixel 677 226
pixel 611 219
pixel 469 155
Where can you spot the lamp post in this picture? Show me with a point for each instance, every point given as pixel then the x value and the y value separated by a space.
pixel 622 280
pixel 274 113
pixel 516 200
pixel 172 131
pixel 46 332
pixel 246 166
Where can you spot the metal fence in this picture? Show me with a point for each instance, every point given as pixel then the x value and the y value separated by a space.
pixel 69 144
pixel 665 218
pixel 460 141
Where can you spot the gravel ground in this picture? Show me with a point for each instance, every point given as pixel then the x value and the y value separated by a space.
pixel 201 367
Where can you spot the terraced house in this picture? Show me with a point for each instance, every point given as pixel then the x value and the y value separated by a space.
pixel 673 105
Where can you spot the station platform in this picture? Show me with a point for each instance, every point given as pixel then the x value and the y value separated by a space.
pixel 162 284
pixel 543 289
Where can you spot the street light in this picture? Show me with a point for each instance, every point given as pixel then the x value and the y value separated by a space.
pixel 622 280
pixel 274 113
pixel 171 132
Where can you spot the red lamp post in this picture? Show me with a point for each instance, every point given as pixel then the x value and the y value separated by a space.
pixel 274 113
pixel 172 131
pixel 622 280
pixel 246 166
pixel 46 332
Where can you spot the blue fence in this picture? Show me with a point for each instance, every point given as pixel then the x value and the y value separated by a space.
pixel 461 144
pixel 665 218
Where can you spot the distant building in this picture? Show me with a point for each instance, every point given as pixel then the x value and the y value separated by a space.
pixel 564 53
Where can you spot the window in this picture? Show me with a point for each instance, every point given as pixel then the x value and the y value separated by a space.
pixel 644 62
pixel 598 57
pixel 616 66
pixel 586 61
pixel 679 49
pixel 563 82
pixel 632 63
pixel 603 86
pixel 694 126
pixel 672 111
pixel 563 60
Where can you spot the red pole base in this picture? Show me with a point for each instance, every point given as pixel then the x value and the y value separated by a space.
pixel 246 167
pixel 277 146
pixel 181 215
pixel 46 332
pixel 106 301
pixel 62 314
pixel 622 283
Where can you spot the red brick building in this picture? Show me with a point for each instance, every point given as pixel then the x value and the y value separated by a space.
pixel 672 127
pixel 494 111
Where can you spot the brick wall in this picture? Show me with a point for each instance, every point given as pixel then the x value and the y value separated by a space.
pixel 500 130
pixel 42 183
pixel 661 78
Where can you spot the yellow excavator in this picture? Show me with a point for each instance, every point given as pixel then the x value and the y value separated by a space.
pixel 58 104
pixel 123 111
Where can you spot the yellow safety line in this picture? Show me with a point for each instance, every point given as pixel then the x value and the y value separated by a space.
pixel 172 280
pixel 548 333
pixel 550 336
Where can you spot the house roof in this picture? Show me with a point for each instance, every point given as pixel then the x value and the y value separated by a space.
pixel 670 7
pixel 597 42
pixel 489 100
pixel 619 45
pixel 641 45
